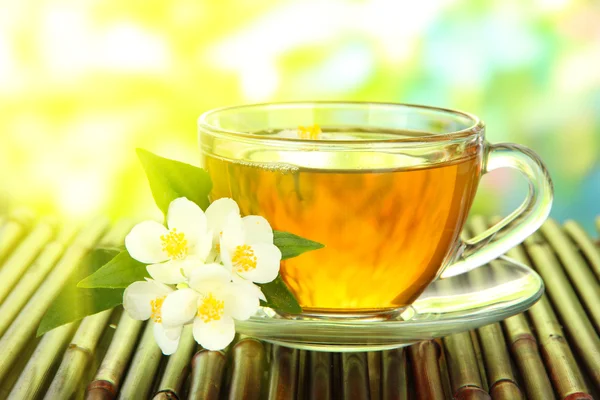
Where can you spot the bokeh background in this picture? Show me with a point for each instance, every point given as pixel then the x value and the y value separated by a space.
pixel 83 83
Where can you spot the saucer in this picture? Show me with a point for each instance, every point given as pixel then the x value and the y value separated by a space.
pixel 485 295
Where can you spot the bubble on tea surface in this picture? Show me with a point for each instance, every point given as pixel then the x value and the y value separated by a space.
pixel 288 134
pixel 280 167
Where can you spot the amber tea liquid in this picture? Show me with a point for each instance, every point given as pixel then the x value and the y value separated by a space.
pixel 386 231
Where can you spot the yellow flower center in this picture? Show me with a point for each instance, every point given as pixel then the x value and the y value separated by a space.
pixel 243 258
pixel 175 244
pixel 309 132
pixel 211 309
pixel 156 306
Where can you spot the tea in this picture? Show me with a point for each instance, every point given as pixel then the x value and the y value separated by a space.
pixel 386 231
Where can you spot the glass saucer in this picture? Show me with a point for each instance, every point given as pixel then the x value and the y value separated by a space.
pixel 480 297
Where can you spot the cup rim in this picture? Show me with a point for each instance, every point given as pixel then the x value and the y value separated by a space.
pixel 476 126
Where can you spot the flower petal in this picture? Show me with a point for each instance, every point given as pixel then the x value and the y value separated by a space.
pixel 233 236
pixel 213 257
pixel 144 244
pixel 232 232
pixel 189 264
pixel 187 217
pixel 251 286
pixel 257 230
pixel 137 297
pixel 168 346
pixel 169 272
pixel 214 335
pixel 159 288
pixel 209 278
pixel 268 259
pixel 217 213
pixel 203 247
pixel 241 301
pixel 225 257
pixel 173 333
pixel 179 308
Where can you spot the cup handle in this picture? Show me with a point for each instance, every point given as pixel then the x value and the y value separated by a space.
pixel 521 223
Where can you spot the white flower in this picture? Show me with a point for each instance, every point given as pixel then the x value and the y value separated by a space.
pixel 217 214
pixel 175 251
pixel 145 299
pixel 212 302
pixel 247 248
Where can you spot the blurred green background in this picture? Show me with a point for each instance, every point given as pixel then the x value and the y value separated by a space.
pixel 83 83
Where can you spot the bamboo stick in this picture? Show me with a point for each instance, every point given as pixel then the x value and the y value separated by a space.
pixel 207 375
pixel 590 251
pixel 110 373
pixel 144 365
pixel 23 256
pixel 67 381
pixel 268 348
pixel 303 373
pixel 525 346
pixel 337 380
pixel 227 376
pixel 168 395
pixel 583 336
pixel 12 231
pixel 33 277
pixel 44 359
pixel 598 224
pixel 430 369
pixel 284 373
pixel 584 281
pixel 502 382
pixel 426 370
pixel 463 368
pixel 443 367
pixel 563 368
pixel 394 375
pixel 479 357
pixel 102 347
pixel 462 352
pixel 178 366
pixel 248 366
pixel 23 327
pixel 108 378
pixel 374 371
pixel 17 368
pixel 355 381
pixel 46 355
pixel 319 385
pixel 565 372
pixel 527 351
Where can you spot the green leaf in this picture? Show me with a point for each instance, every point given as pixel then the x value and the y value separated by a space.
pixel 118 273
pixel 73 303
pixel 292 245
pixel 279 297
pixel 170 179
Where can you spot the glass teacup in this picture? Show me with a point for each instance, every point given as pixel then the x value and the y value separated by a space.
pixel 385 187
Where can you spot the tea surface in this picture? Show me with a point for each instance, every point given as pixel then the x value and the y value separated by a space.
pixel 386 231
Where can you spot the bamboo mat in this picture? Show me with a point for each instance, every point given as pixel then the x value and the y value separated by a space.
pixel 551 351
